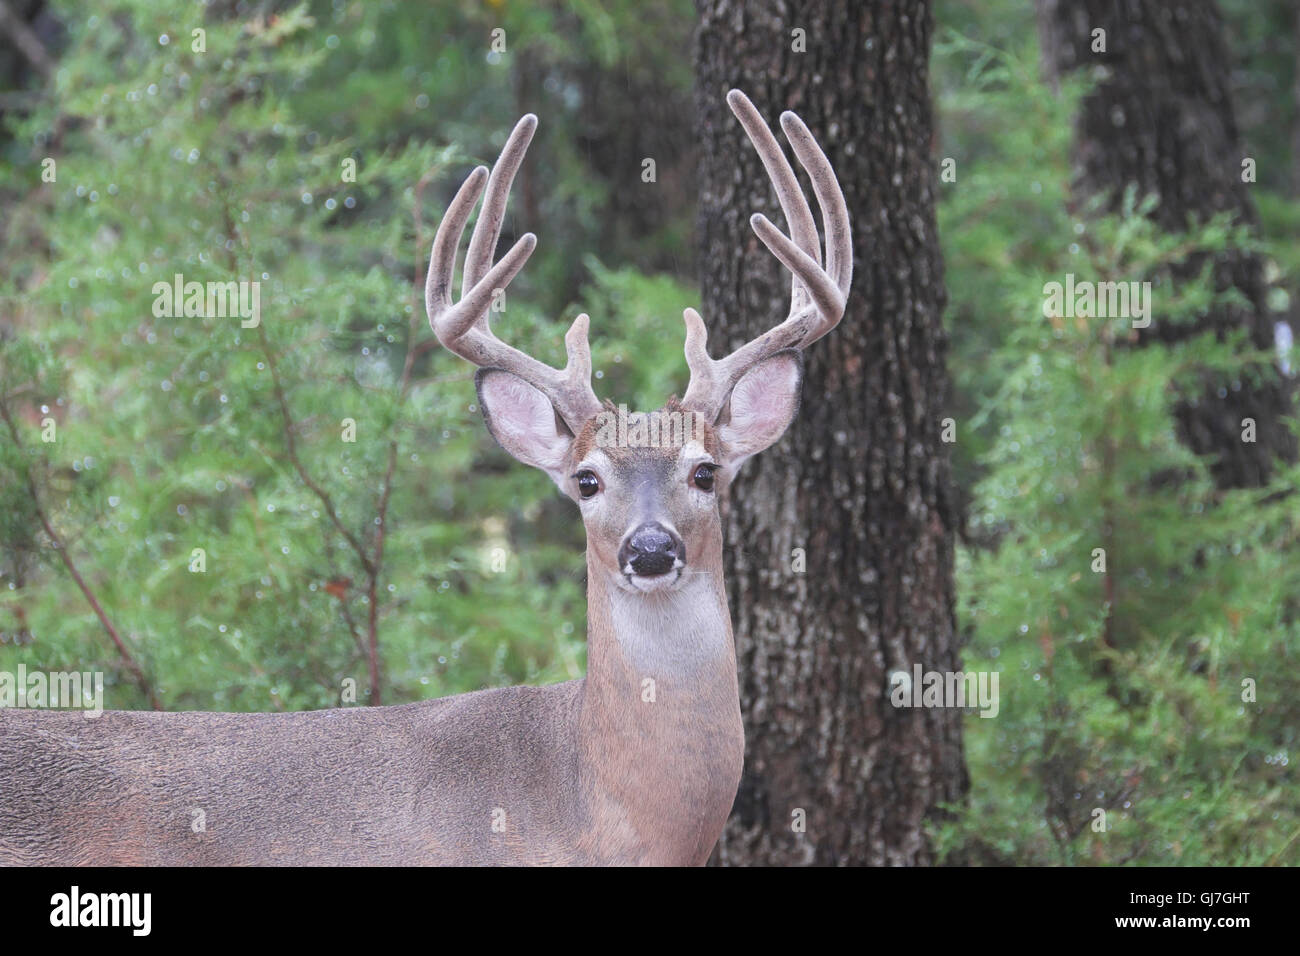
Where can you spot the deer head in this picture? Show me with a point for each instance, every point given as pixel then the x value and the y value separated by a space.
pixel 648 485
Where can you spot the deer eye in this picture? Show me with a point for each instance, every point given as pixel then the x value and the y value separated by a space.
pixel 588 483
pixel 703 477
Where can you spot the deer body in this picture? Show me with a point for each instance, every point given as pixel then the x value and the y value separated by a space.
pixel 397 785
pixel 637 763
pixel 584 772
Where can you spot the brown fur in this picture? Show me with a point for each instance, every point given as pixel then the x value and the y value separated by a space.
pixel 585 772
pixel 637 763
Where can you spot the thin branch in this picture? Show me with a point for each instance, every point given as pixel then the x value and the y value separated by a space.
pixel 292 448
pixel 336 575
pixel 327 502
pixel 91 599
pixel 418 286
pixel 15 102
pixel 373 564
pixel 372 583
pixel 375 569
pixel 26 40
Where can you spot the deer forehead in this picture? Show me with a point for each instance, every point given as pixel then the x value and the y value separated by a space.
pixel 642 466
pixel 641 440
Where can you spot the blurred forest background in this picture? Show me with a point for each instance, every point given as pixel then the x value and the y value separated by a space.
pixel 419 561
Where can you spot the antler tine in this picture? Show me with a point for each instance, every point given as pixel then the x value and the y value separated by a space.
pixel 712 380
pixel 830 200
pixel 793 204
pixel 463 327
pixel 483 240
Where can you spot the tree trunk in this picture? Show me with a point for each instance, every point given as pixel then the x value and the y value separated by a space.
pixel 861 482
pixel 1161 118
pixel 1295 109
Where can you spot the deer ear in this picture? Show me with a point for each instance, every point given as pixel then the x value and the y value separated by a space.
pixel 762 405
pixel 523 421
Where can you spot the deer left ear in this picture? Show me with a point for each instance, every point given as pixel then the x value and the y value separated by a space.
pixel 762 406
pixel 523 421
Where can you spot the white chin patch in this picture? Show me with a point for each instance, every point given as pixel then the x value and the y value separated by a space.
pixel 650 585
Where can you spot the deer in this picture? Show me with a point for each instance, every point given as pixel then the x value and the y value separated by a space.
pixel 637 763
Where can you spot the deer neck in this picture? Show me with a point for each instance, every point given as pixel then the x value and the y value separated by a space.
pixel 660 736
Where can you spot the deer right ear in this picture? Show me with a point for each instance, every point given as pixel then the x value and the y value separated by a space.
pixel 523 421
pixel 762 406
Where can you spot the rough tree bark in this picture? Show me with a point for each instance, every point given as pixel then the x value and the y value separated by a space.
pixel 1161 117
pixel 1295 108
pixel 861 482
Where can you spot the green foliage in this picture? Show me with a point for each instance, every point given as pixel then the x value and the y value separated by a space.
pixel 1265 48
pixel 1121 686
pixel 184 433
pixel 1001 221
pixel 1120 690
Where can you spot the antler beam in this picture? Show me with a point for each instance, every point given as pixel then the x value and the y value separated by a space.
pixel 462 327
pixel 817 294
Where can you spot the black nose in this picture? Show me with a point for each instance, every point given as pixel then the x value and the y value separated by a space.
pixel 651 550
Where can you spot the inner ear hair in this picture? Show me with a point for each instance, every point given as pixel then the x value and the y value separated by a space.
pixel 773 405
pixel 561 427
pixel 724 413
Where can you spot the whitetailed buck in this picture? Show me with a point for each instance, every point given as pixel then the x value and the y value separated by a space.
pixel 637 763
